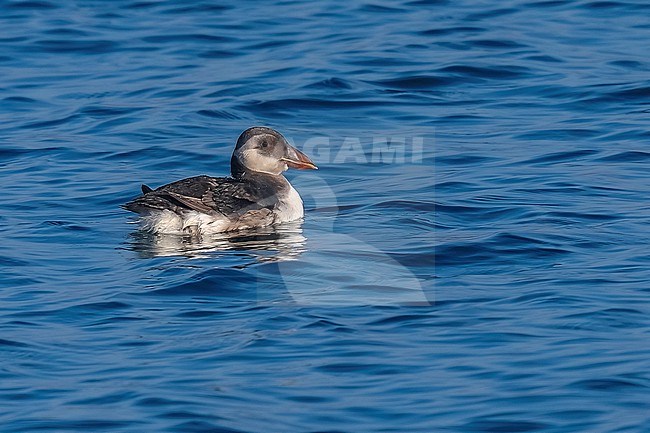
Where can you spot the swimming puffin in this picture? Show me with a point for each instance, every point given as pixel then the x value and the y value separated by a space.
pixel 256 194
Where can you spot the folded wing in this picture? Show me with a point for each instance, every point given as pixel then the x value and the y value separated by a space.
pixel 219 197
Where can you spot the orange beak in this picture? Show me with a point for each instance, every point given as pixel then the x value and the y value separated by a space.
pixel 297 159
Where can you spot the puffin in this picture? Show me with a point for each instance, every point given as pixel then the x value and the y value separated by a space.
pixel 256 194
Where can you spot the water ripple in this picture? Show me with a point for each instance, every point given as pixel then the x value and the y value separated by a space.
pixel 498 259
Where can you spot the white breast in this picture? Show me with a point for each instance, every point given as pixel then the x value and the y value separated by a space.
pixel 290 207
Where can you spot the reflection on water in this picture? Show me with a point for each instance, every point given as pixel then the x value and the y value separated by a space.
pixel 268 244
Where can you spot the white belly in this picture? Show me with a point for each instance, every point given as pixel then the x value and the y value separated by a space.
pixel 168 222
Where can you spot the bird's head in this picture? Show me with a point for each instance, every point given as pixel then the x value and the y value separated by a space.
pixel 265 150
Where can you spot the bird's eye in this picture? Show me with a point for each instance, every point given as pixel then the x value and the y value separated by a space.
pixel 265 143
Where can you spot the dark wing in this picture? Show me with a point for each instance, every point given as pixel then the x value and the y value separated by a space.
pixel 215 196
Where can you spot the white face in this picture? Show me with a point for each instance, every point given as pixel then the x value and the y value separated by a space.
pixel 262 153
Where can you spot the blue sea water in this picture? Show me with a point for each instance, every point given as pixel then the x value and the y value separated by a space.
pixel 488 271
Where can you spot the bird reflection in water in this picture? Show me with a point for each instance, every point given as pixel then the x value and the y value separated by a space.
pixel 269 244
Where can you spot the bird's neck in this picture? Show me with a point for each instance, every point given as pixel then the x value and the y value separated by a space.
pixel 237 169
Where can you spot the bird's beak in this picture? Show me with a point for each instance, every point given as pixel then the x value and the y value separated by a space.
pixel 297 159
